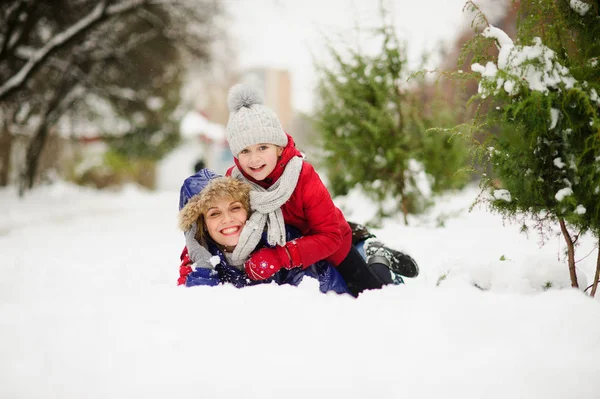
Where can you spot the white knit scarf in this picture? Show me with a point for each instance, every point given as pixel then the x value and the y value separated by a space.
pixel 266 206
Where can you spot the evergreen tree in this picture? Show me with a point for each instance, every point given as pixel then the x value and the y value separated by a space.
pixel 542 98
pixel 374 129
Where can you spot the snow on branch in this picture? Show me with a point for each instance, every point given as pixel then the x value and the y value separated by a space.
pixel 56 42
pixel 536 65
pixel 99 13
pixel 579 7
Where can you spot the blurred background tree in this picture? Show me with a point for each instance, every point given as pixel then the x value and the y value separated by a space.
pixel 117 62
pixel 377 128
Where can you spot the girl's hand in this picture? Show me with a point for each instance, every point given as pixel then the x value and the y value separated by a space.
pixel 267 261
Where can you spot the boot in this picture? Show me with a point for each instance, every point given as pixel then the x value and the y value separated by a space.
pixel 381 266
pixel 399 263
pixel 359 233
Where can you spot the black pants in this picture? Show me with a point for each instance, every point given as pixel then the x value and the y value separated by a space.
pixel 358 274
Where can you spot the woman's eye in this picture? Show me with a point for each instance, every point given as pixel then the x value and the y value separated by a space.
pixel 213 214
pixel 236 208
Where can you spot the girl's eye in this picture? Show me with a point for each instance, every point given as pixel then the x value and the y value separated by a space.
pixel 263 147
pixel 213 214
pixel 244 151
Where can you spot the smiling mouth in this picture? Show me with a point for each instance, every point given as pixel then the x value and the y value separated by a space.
pixel 230 230
pixel 257 168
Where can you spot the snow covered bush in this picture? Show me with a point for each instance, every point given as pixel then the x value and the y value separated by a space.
pixel 540 92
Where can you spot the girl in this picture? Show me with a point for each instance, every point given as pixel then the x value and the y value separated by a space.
pixel 287 190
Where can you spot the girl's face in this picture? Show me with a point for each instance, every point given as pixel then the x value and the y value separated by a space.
pixel 224 221
pixel 259 160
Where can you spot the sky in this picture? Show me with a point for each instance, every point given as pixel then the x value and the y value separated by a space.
pixel 89 308
pixel 289 34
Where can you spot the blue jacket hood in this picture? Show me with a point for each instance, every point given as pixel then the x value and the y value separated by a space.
pixel 194 184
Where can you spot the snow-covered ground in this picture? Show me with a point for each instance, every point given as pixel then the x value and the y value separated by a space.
pixel 89 309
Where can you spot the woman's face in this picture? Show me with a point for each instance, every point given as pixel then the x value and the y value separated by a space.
pixel 224 221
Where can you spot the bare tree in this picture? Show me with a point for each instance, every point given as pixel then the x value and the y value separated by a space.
pixel 52 56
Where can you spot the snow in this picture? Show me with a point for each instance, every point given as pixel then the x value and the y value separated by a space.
pixel 580 210
pixel 518 61
pixel 503 40
pixel 594 96
pixel 179 164
pixel 579 7
pixel 503 195
pixel 562 193
pixel 89 309
pixel 554 114
pixel 489 70
pixel 201 140
pixel 195 124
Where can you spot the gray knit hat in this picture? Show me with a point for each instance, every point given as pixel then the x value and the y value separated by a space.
pixel 250 121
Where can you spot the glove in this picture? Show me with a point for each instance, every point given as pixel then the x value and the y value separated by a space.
pixel 185 268
pixel 184 271
pixel 265 262
pixel 293 255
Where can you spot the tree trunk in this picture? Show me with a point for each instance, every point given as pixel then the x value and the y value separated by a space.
pixel 34 151
pixel 597 275
pixel 6 140
pixel 50 113
pixel 570 253
pixel 405 210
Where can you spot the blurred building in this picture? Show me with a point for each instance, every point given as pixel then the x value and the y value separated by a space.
pixel 273 84
pixel 276 87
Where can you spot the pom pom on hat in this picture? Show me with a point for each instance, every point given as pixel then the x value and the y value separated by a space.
pixel 250 121
pixel 242 96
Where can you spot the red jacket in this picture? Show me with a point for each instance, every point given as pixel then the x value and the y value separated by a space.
pixel 325 232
